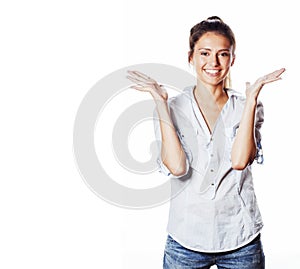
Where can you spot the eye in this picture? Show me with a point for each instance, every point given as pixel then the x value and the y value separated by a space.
pixel 203 53
pixel 224 54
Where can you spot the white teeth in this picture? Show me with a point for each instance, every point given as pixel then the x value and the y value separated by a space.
pixel 212 71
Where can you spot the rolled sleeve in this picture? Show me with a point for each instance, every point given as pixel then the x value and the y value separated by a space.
pixel 259 119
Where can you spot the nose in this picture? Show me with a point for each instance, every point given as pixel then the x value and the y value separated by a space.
pixel 214 59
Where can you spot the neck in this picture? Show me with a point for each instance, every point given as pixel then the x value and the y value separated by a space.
pixel 217 93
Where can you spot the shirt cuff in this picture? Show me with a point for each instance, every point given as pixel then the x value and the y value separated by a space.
pixel 259 154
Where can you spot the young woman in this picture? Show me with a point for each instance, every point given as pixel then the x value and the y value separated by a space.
pixel 210 137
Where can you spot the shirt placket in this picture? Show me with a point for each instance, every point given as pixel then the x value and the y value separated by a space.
pixel 208 186
pixel 211 171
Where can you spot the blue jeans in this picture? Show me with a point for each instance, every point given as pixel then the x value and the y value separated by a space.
pixel 250 256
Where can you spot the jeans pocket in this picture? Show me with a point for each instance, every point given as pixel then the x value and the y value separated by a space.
pixel 178 257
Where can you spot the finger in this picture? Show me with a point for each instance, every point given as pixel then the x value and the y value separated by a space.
pixel 271 80
pixel 279 71
pixel 274 76
pixel 132 73
pixel 140 88
pixel 140 85
pixel 140 75
pixel 134 79
pixel 276 73
pixel 141 81
pixel 137 79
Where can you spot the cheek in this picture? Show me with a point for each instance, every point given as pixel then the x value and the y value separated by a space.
pixel 230 61
pixel 226 62
pixel 198 62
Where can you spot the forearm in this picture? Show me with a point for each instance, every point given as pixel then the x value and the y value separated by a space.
pixel 244 147
pixel 172 153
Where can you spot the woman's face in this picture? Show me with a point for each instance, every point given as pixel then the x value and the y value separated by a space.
pixel 212 58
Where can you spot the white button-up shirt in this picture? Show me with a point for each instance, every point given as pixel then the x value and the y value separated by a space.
pixel 213 207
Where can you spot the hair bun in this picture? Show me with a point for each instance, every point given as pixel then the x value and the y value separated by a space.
pixel 214 18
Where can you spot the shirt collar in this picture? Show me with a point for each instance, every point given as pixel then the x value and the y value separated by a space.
pixel 189 91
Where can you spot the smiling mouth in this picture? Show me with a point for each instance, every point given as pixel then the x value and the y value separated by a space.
pixel 212 72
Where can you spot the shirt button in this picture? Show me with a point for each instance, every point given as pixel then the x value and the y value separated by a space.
pixel 211 170
pixel 211 155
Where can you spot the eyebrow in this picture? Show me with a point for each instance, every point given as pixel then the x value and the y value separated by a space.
pixel 210 49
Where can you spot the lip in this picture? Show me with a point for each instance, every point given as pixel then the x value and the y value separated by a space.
pixel 212 72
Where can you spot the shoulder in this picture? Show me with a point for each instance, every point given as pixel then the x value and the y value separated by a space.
pixel 182 99
pixel 241 98
pixel 236 95
pixel 181 107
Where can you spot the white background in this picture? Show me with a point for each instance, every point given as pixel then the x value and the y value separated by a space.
pixel 53 52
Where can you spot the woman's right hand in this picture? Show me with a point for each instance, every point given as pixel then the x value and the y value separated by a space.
pixel 172 153
pixel 147 84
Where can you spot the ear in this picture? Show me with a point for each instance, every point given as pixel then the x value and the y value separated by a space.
pixel 233 60
pixel 190 58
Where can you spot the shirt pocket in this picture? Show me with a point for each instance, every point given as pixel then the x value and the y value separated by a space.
pixel 195 145
pixel 188 138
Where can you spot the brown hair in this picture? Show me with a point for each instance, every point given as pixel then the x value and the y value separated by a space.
pixel 211 24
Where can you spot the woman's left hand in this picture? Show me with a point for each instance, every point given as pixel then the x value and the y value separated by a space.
pixel 254 89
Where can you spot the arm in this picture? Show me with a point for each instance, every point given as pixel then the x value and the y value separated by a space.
pixel 244 147
pixel 172 153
